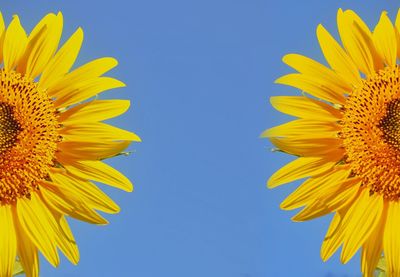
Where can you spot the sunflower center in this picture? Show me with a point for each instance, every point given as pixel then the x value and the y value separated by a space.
pixel 9 127
pixel 390 123
pixel 28 136
pixel 371 133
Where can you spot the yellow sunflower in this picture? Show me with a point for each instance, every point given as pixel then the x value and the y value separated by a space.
pixel 347 140
pixel 52 143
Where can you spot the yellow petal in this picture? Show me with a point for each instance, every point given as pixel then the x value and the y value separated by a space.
pixel 304 128
pixel 67 203
pixel 308 147
pixel 78 92
pixel 391 239
pixel 100 172
pixel 8 241
pixel 27 251
pixel 305 107
pixel 89 150
pixel 39 225
pixel 37 40
pixel 46 20
pixel 63 235
pixel 67 242
pixel 42 44
pixel 333 238
pixel 62 62
pixel 337 58
pixel 310 189
pixel 87 191
pixel 317 71
pixel 86 72
pixel 96 131
pixel 372 248
pixel 2 35
pixel 96 110
pixel 397 31
pixel 314 87
pixel 357 39
pixel 15 42
pixel 384 38
pixel 301 168
pixel 330 200
pixel 359 222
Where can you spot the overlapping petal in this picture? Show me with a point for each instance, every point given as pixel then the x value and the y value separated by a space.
pixel 36 222
pixel 366 213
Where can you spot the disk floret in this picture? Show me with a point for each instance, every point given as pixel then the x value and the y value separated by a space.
pixel 28 136
pixel 9 127
pixel 371 132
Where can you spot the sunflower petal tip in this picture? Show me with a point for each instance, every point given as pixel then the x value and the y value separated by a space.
pixel 273 99
pixel 271 183
pixel 343 258
pixel 79 30
pixel 75 262
pixel 264 134
pixel 279 80
pixel 287 58
pixel 284 206
pixel 129 188
pixel 324 258
pixel 116 209
pixel 296 218
pixel 15 17
pixel 114 61
pixel 320 30
pixel 118 83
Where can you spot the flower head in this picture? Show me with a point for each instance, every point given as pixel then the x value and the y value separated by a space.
pixel 52 143
pixel 347 140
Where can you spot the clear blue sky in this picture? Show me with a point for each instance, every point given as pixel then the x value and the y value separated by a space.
pixel 199 75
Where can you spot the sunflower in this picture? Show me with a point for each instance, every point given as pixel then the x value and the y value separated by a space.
pixel 52 143
pixel 347 140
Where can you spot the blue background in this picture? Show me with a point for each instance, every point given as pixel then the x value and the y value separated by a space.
pixel 199 75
